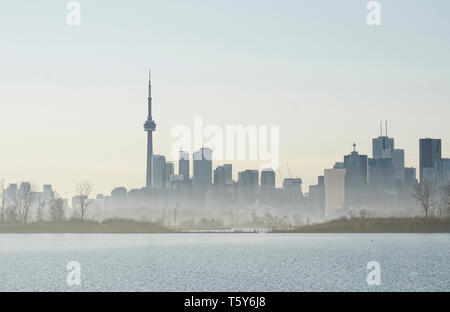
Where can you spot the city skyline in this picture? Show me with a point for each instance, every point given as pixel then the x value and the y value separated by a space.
pixel 327 81
pixel 150 126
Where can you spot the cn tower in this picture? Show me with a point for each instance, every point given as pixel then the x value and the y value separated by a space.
pixel 149 127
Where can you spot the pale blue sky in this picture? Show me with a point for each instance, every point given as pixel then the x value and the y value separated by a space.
pixel 73 99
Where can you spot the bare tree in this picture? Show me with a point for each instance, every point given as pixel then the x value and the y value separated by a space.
pixel 21 201
pixel 445 198
pixel 40 209
pixel 424 193
pixel 83 190
pixel 57 205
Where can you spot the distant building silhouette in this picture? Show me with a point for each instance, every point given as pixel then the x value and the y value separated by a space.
pixel 334 180
pixel 219 176
pixel 158 170
pixel 355 177
pixel 317 197
pixel 292 187
pixel 429 154
pixel 183 165
pixel 228 168
pixel 248 182
pixel 202 160
pixel 168 173
pixel 410 176
pixel 267 179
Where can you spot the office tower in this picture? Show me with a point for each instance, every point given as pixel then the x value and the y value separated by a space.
pixel 219 176
pixel 355 177
pixel 202 168
pixel 334 180
pixel 442 169
pixel 267 179
pixel 317 197
pixel 149 127
pixel 398 161
pixel 383 146
pixel 292 188
pixel 429 154
pixel 228 168
pixel 355 166
pixel 445 173
pixel 410 176
pixel 183 165
pixel 248 182
pixel 158 168
pixel 119 198
pixel 47 189
pixel 381 174
pixel 168 173
pixel 386 165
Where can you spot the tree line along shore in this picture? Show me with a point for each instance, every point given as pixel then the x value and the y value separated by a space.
pixel 343 225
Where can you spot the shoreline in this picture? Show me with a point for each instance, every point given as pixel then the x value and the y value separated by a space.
pixel 129 226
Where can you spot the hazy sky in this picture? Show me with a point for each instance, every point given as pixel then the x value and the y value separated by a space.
pixel 73 99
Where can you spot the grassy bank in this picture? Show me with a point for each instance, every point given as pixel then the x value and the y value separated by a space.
pixel 353 225
pixel 377 225
pixel 76 226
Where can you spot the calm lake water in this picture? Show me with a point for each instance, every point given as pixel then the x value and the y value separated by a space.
pixel 225 262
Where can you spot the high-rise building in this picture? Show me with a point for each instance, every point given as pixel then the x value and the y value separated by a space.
pixel 202 168
pixel 219 176
pixel 317 197
pixel 381 174
pixel 47 189
pixel 149 127
pixel 442 168
pixel 119 198
pixel 183 165
pixel 410 176
pixel 383 146
pixel 158 168
pixel 228 168
pixel 248 182
pixel 292 188
pixel 168 173
pixel 398 161
pixel 355 177
pixel 267 179
pixel 334 180
pixel 429 154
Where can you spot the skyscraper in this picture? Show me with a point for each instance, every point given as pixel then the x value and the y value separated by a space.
pixel 398 159
pixel 267 179
pixel 355 177
pixel 168 173
pixel 383 146
pixel 183 165
pixel 158 170
pixel 202 168
pixel 149 127
pixel 334 180
pixel 219 176
pixel 248 185
pixel 430 153
pixel 228 168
